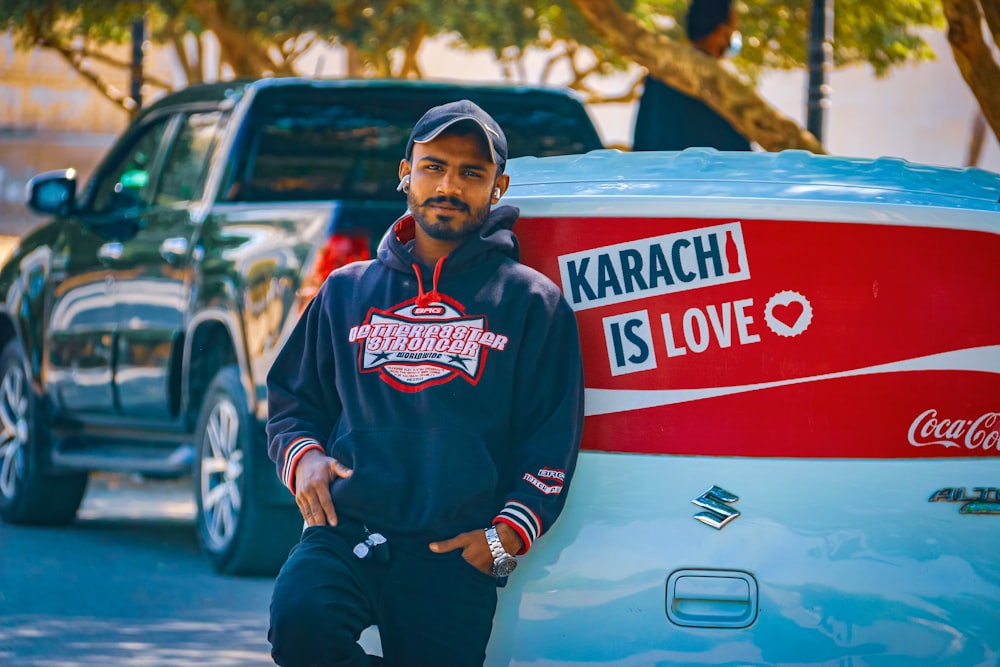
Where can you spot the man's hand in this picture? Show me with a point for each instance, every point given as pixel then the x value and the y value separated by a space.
pixel 475 548
pixel 313 475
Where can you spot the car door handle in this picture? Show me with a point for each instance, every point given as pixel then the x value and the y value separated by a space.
pixel 110 252
pixel 712 598
pixel 174 249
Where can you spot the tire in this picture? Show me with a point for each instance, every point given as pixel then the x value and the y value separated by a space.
pixel 240 532
pixel 30 494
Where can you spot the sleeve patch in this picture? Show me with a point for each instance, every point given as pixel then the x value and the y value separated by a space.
pixel 553 484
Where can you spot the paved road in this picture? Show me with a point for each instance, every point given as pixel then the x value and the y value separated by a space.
pixel 125 586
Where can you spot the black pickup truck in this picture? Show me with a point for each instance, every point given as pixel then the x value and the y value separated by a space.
pixel 138 324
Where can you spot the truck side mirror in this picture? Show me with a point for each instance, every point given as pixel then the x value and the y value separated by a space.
pixel 52 192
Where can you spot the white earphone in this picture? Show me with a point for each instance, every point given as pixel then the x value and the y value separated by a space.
pixel 496 192
pixel 403 183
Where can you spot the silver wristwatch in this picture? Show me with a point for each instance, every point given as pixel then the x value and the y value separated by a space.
pixel 503 562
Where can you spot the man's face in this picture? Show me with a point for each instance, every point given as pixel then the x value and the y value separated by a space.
pixel 726 35
pixel 452 185
pixel 717 43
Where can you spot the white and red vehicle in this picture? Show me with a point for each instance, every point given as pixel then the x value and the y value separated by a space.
pixel 791 446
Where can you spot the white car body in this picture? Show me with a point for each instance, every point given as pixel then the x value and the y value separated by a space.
pixel 830 366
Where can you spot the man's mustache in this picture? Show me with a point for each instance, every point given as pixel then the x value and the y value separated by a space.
pixel 452 201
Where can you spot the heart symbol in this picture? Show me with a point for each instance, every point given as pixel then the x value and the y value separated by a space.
pixel 788 314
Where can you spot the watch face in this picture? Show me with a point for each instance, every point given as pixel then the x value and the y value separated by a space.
pixel 504 567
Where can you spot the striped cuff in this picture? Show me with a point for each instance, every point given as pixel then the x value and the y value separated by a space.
pixel 524 522
pixel 292 456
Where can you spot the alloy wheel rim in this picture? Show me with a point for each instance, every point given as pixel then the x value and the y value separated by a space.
pixel 13 430
pixel 221 471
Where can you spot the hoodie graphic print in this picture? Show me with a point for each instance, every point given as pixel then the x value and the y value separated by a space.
pixel 456 407
pixel 413 346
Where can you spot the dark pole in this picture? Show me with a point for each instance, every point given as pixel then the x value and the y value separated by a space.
pixel 138 35
pixel 820 61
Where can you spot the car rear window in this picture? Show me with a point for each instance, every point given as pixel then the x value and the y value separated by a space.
pixel 342 143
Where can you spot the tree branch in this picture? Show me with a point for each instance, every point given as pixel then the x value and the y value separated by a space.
pixel 100 83
pixel 550 64
pixel 46 39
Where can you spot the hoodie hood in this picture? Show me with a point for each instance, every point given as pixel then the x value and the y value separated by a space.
pixel 495 236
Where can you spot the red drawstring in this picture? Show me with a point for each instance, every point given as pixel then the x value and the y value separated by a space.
pixel 425 299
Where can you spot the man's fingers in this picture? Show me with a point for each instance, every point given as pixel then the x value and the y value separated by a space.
pixel 312 479
pixel 444 546
pixel 303 500
pixel 475 549
pixel 325 510
pixel 316 505
pixel 339 469
pixel 458 542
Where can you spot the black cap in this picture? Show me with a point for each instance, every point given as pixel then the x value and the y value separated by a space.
pixel 438 119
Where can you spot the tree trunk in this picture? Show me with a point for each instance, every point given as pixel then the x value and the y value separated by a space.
pixel 355 67
pixel 973 56
pixel 193 72
pixel 698 75
pixel 976 137
pixel 246 57
pixel 410 67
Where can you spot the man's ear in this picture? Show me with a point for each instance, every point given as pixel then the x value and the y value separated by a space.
pixel 404 177
pixel 501 185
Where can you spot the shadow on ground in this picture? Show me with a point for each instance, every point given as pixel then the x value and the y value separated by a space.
pixel 124 585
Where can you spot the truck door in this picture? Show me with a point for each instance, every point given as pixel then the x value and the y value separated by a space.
pixel 81 334
pixel 153 274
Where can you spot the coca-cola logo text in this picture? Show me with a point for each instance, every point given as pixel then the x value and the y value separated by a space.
pixel 980 433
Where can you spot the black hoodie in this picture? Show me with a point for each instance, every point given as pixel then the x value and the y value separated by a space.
pixel 456 407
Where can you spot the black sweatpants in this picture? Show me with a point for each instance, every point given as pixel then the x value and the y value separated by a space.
pixel 431 609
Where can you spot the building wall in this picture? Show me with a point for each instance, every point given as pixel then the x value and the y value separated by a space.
pixel 40 92
pixel 49 119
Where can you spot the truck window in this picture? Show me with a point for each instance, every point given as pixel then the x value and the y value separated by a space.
pixel 124 182
pixel 183 173
pixel 345 144
pixel 310 150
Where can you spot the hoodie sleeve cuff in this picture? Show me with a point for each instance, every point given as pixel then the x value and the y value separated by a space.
pixel 524 522
pixel 292 456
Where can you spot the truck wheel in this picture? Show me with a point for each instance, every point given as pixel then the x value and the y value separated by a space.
pixel 241 533
pixel 29 493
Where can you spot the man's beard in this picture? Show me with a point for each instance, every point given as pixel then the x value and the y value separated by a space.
pixel 442 230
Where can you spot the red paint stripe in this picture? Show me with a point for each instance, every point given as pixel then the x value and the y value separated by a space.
pixel 857 417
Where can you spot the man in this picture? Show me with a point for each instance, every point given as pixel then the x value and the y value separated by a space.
pixel 669 120
pixel 429 435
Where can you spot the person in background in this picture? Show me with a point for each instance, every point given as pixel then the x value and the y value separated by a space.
pixel 426 411
pixel 669 120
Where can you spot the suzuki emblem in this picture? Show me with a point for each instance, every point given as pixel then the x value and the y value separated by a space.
pixel 717 512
